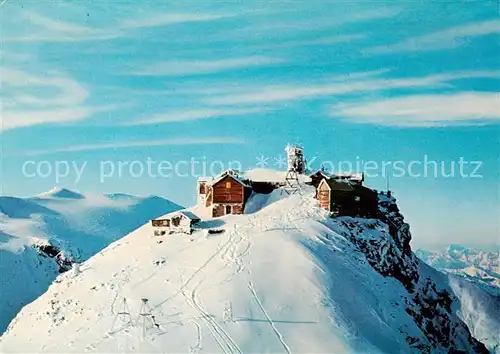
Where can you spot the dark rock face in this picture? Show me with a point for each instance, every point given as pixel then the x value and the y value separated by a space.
pixel 55 253
pixel 431 308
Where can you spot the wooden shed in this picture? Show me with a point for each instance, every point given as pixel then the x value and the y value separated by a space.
pixel 344 198
pixel 177 222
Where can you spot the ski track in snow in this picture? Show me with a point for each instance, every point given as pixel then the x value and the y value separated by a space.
pixel 230 256
pixel 196 272
pixel 228 253
pixel 198 346
pixel 278 334
pixel 209 320
pixel 221 341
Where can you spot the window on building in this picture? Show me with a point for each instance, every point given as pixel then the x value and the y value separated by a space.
pixel 228 185
pixel 228 209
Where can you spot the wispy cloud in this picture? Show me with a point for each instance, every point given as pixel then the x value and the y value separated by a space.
pixel 321 41
pixel 169 19
pixel 54 98
pixel 379 13
pixel 46 29
pixel 25 118
pixel 66 90
pixel 197 67
pixel 361 75
pixel 326 40
pixel 272 94
pixel 133 144
pixel 55 25
pixel 190 115
pixel 446 39
pixel 49 29
pixel 464 108
pixel 11 56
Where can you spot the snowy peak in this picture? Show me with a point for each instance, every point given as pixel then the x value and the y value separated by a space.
pixel 63 193
pixel 44 235
pixel 286 278
pixel 453 248
pixel 478 266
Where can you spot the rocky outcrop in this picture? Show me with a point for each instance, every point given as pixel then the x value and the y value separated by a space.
pixel 388 251
pixel 48 250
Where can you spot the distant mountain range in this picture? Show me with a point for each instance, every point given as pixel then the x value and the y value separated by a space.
pixel 480 266
pixel 43 235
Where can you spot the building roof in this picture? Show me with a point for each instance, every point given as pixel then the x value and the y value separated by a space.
pixel 337 185
pixel 357 177
pixel 347 186
pixel 190 215
pixel 231 174
pixel 321 173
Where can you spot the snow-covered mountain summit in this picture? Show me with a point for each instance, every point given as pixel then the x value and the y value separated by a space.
pixel 58 192
pixel 41 236
pixel 285 278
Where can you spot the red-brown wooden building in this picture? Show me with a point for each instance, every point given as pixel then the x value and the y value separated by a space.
pixel 227 194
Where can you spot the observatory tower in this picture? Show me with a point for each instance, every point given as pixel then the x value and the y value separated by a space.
pixel 296 166
pixel 295 155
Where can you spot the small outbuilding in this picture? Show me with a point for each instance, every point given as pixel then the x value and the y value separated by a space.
pixel 177 222
pixel 345 198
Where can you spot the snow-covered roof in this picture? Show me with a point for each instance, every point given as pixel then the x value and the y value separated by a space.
pixel 356 176
pixel 188 214
pixel 321 173
pixel 338 185
pixel 351 176
pixel 231 174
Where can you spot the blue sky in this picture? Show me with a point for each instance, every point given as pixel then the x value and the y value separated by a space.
pixel 170 81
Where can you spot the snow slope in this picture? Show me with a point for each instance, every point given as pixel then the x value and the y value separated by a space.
pixel 284 279
pixel 479 309
pixel 43 235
